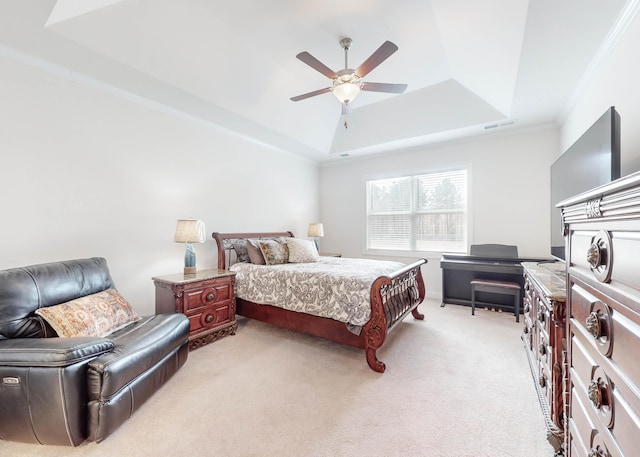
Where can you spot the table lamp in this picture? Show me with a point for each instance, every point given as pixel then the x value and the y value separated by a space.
pixel 316 231
pixel 190 231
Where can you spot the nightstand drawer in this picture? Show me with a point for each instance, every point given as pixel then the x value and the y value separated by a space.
pixel 197 298
pixel 211 316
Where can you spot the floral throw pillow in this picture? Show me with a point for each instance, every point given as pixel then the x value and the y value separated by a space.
pixel 274 253
pixel 93 315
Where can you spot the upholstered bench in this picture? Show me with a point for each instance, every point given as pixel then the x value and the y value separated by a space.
pixel 496 287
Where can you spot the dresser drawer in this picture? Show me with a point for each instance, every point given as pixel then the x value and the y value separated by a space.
pixel 608 326
pixel 618 254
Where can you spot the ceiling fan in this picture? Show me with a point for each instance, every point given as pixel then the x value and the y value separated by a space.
pixel 347 83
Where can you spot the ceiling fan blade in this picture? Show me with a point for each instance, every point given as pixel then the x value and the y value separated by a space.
pixel 384 87
pixel 381 54
pixel 317 65
pixel 311 94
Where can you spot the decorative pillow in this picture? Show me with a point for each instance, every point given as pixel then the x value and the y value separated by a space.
pixel 93 315
pixel 240 246
pixel 274 253
pixel 254 252
pixel 302 251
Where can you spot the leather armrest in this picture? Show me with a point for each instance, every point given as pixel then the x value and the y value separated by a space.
pixel 51 352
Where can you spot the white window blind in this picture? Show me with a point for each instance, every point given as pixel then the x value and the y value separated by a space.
pixel 418 213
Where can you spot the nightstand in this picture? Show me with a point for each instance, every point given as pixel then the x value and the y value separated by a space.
pixel 207 298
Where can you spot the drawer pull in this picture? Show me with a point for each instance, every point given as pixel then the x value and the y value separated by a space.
pixel 542 381
pixel 600 256
pixel 209 318
pixel 598 324
pixel 601 396
pixel 210 296
pixel 593 255
pixel 595 394
pixel 593 324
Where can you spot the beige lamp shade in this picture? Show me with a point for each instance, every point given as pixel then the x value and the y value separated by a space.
pixel 190 231
pixel 316 230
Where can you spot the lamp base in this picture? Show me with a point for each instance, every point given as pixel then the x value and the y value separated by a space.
pixel 189 271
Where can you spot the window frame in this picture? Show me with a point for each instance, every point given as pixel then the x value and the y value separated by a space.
pixel 413 251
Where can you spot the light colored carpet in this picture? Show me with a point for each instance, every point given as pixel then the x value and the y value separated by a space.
pixel 456 385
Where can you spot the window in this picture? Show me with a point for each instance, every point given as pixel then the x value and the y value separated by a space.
pixel 418 213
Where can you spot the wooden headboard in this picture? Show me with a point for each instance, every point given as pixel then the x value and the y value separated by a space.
pixel 226 253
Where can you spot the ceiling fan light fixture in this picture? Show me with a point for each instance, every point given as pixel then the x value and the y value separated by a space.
pixel 347 83
pixel 346 87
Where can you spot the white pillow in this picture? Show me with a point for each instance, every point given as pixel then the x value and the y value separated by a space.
pixel 302 251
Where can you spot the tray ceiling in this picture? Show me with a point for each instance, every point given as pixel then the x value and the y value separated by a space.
pixel 471 66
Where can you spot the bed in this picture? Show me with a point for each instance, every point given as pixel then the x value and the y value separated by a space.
pixel 389 299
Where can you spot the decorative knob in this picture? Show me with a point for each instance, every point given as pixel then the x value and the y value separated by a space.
pixel 595 394
pixel 542 381
pixel 210 296
pixel 594 256
pixel 593 324
pixel 541 315
pixel 542 349
pixel 209 318
pixel 526 330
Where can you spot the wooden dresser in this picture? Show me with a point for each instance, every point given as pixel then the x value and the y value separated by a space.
pixel 603 327
pixel 543 337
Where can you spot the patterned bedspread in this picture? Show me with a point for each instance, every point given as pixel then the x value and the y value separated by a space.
pixel 337 288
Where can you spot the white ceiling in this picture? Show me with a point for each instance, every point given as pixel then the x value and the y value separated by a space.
pixel 469 64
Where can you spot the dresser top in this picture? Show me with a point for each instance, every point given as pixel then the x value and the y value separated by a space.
pixel 550 276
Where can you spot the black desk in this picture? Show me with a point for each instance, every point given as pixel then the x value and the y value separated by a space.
pixel 458 270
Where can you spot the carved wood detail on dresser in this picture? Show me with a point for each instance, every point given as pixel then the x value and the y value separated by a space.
pixel 603 321
pixel 543 336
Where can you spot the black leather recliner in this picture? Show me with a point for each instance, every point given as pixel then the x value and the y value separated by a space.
pixel 64 391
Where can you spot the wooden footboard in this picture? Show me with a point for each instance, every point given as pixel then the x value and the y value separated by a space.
pixel 393 297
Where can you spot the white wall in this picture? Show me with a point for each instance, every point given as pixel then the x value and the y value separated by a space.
pixel 509 182
pixel 85 173
pixel 615 82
